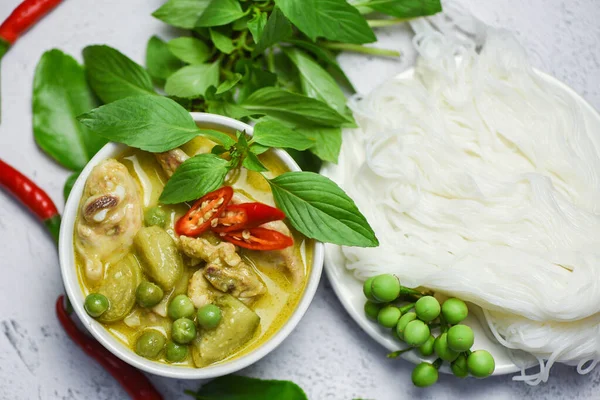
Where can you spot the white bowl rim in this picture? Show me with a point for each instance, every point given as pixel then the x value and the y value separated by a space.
pixel 75 293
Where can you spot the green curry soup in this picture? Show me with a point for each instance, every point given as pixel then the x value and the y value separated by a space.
pixel 129 253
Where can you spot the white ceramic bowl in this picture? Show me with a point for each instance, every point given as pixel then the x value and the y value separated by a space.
pixel 75 294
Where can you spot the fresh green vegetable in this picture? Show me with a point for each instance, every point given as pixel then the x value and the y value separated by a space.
pixel 367 289
pixel 385 288
pixel 119 285
pixel 60 94
pixel 183 330
pixel 427 308
pixel 96 304
pixel 481 364
pixel 113 76
pixel 388 316
pixel 160 61
pixel 459 367
pixel 454 311
pixel 155 216
pixel 190 50
pixel 175 352
pixel 180 307
pixel 424 374
pixel 209 316
pixel 416 333
pixel 159 256
pixel 193 81
pixel 69 184
pixel 460 338
pixel 442 350
pixel 235 387
pixel 403 322
pixel 148 294
pixel 426 349
pixel 150 343
pixel 372 310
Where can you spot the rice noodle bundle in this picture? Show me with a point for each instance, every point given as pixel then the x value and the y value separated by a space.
pixel 482 181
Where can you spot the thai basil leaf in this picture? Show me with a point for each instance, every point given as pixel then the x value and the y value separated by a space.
pixel 235 387
pixel 277 29
pixel 217 136
pixel 194 178
pixel 113 76
pixel 252 163
pixel 60 94
pixel 258 148
pixel 254 78
pixel 288 76
pixel 160 62
pixel 151 123
pixel 306 160
pixel 69 184
pixel 181 13
pixel 296 108
pixel 220 12
pixel 320 210
pixel 275 134
pixel 256 25
pixel 190 50
pixel 327 142
pixel 229 83
pixel 407 8
pixel 317 83
pixel 332 19
pixel 222 42
pixel 228 109
pixel 193 81
pixel 325 56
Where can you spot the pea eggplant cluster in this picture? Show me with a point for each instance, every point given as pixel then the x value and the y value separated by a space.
pixel 385 296
pixel 181 310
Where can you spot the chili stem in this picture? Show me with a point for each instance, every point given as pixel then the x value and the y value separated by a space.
pixel 357 48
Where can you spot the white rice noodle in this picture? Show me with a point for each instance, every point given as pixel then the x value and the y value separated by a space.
pixel 482 181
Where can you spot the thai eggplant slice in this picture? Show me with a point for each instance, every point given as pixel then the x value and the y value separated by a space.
pixel 159 256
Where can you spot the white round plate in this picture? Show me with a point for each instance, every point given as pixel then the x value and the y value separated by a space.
pixel 349 289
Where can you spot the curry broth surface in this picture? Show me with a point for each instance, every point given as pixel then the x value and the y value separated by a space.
pixel 274 307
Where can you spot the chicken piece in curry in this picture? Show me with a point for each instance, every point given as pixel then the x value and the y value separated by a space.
pixel 187 284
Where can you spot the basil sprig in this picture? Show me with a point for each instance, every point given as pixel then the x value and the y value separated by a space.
pixel 314 205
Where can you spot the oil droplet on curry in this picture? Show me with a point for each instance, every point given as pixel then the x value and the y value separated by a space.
pixel 183 300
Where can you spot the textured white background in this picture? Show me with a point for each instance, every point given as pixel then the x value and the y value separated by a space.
pixel 327 354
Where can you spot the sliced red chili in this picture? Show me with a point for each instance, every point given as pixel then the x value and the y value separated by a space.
pixel 199 218
pixel 247 215
pixel 258 239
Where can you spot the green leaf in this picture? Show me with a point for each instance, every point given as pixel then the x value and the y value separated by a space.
pixel 277 29
pixel 220 12
pixel 194 178
pixel 256 25
pixel 216 136
pixel 275 134
pixel 193 80
pixel 252 163
pixel 258 148
pixel 236 387
pixel 60 94
pixel 327 142
pixel 320 210
pixel 254 78
pixel 113 76
pixel 181 13
pixel 406 8
pixel 317 83
pixel 327 57
pixel 227 109
pixel 222 42
pixel 151 123
pixel 229 83
pixel 69 184
pixel 160 62
pixel 332 19
pixel 292 107
pixel 306 160
pixel 288 76
pixel 190 50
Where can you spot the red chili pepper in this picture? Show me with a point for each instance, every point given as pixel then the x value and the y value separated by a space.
pixel 32 196
pixel 199 218
pixel 258 239
pixel 247 215
pixel 24 17
pixel 135 383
